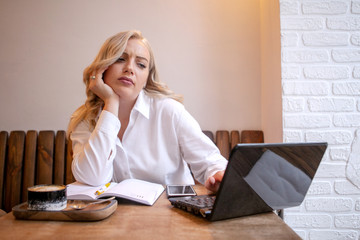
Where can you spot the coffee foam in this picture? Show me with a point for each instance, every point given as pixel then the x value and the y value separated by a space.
pixel 46 188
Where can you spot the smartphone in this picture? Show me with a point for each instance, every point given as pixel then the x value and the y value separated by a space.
pixel 180 190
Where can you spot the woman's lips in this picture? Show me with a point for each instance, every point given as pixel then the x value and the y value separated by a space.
pixel 126 80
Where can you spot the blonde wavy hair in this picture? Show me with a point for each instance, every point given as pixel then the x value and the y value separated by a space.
pixel 109 53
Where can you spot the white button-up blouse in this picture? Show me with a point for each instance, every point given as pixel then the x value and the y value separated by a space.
pixel 159 144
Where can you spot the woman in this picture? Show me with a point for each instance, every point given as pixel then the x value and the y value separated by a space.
pixel 133 126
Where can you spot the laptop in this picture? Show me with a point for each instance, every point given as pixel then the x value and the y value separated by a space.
pixel 259 178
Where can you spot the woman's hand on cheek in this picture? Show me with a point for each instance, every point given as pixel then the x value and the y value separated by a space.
pixel 213 182
pixel 101 89
pixel 105 92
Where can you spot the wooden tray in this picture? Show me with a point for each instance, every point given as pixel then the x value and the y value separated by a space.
pixel 94 212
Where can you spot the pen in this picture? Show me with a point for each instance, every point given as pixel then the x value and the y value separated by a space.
pixel 102 189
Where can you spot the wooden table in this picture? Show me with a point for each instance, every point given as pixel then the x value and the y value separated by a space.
pixel 160 221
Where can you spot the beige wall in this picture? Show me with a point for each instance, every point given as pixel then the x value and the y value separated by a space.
pixel 207 50
pixel 271 94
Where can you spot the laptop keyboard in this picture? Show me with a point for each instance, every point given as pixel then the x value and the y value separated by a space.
pixel 199 205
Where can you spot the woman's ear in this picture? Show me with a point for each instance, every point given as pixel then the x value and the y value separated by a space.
pixel 103 75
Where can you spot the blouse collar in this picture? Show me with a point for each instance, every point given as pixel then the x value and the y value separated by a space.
pixel 142 104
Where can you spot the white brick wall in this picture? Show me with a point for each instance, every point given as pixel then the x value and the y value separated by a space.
pixel 320 44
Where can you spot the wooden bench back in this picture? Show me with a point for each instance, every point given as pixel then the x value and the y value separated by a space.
pixel 28 159
pixel 44 157
pixel 226 140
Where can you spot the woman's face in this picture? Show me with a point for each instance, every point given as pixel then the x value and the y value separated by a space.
pixel 128 75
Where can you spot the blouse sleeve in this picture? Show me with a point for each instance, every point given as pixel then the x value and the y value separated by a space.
pixel 94 152
pixel 198 150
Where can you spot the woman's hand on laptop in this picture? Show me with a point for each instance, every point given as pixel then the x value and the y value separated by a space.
pixel 213 182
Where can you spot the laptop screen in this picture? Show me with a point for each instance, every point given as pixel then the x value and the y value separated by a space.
pixel 263 177
pixel 279 183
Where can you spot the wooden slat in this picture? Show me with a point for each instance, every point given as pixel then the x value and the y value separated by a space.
pixel 234 138
pixel 252 136
pixel 3 144
pixel 223 143
pixel 209 134
pixel 45 160
pixel 29 163
pixel 13 172
pixel 69 178
pixel 59 157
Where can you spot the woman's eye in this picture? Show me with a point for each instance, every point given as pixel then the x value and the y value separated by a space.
pixel 120 60
pixel 141 65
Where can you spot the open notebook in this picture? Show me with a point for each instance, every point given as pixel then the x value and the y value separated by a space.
pixel 132 189
pixel 259 178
